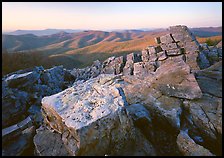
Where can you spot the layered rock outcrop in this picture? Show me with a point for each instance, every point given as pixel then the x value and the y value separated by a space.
pixel 165 101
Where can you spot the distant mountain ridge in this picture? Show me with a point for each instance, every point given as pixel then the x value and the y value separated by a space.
pixel 207 31
pixel 42 32
pixel 200 31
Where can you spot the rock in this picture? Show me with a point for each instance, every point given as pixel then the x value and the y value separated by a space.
pixel 166 39
pixel 129 66
pixel 210 80
pixel 177 51
pixel 161 55
pixel 157 39
pixel 53 77
pixel 213 56
pixel 203 62
pixel 119 65
pixel 16 129
pixel 206 117
pixel 35 113
pixel 152 53
pixel 173 78
pixel 168 46
pixel 181 33
pixel 191 46
pixel 49 143
pixel 13 106
pixel 166 109
pixel 204 46
pixel 88 113
pixel 141 68
pixel 189 148
pixel 219 45
pixel 22 80
pixel 17 138
pixel 205 120
pixel 191 60
pixel 139 114
pixel 145 55
pixel 139 147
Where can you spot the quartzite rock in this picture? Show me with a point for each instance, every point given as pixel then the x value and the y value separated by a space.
pixel 18 137
pixel 13 106
pixel 189 148
pixel 92 114
pixel 48 143
pixel 173 78
pixel 22 80
pixel 166 39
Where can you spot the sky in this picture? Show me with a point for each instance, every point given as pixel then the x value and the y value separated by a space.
pixel 108 15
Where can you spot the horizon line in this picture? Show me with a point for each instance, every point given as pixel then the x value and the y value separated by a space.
pixel 99 29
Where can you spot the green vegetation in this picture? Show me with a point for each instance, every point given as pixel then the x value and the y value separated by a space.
pixel 15 61
pixel 212 42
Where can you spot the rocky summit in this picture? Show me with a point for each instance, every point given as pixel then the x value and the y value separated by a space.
pixel 166 100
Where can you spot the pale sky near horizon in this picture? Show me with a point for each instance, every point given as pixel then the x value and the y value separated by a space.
pixel 108 15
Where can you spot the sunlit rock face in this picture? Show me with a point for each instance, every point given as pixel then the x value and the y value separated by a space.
pixel 91 115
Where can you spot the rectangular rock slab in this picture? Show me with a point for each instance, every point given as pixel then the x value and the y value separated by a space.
pixel 166 39
pixel 162 55
pixel 157 39
pixel 92 113
pixel 174 79
pixel 177 51
pixel 145 55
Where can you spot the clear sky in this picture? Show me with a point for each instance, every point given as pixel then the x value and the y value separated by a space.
pixel 108 15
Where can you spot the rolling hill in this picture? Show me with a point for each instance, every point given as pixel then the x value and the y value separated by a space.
pixel 80 49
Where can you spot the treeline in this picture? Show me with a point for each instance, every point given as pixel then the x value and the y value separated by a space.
pixel 13 61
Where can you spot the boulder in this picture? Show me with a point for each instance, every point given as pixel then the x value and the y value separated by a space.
pixel 119 65
pixel 91 117
pixel 203 62
pixel 219 45
pixel 53 77
pixel 22 80
pixel 189 148
pixel 13 106
pixel 17 138
pixel 143 68
pixel 48 143
pixel 162 55
pixel 129 66
pixel 166 39
pixel 173 78
pixel 145 55
pixel 177 51
pixel 191 60
pixel 139 114
pixel 210 79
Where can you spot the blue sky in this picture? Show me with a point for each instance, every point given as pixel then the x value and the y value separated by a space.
pixel 109 15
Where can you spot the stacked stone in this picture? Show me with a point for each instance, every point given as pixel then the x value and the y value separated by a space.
pixel 113 65
pixel 129 66
pixel 89 72
pixel 180 43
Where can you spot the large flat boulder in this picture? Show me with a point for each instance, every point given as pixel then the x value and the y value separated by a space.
pixel 173 78
pixel 91 116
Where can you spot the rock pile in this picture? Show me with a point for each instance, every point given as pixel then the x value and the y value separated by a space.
pixel 165 101
pixel 22 92
pixel 91 117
